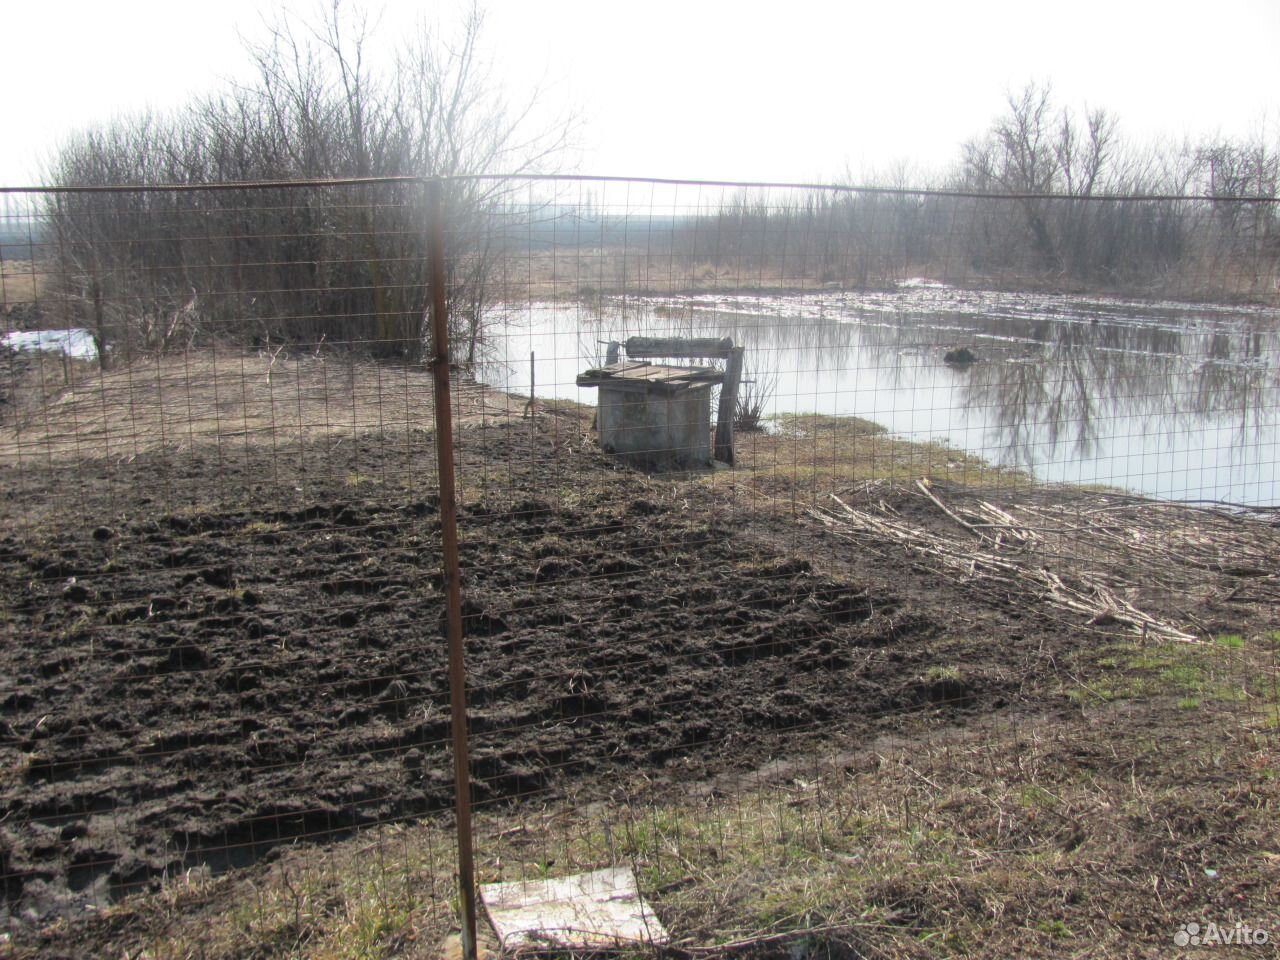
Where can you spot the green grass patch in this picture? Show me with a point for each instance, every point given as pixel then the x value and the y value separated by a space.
pixel 1193 674
pixel 1034 796
pixel 802 450
pixel 1054 928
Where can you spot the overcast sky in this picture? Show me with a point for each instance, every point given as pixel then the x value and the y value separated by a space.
pixel 780 90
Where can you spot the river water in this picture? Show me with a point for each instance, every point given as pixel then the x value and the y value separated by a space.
pixel 1172 400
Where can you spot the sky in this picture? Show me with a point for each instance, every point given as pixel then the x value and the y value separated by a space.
pixel 788 90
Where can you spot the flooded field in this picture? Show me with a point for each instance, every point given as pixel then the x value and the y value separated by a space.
pixel 1172 400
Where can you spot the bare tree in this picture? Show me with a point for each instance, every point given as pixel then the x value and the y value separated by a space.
pixel 1018 156
pixel 1234 172
pixel 1057 167
pixel 345 266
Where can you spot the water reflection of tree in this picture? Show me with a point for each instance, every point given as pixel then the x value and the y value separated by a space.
pixel 1246 369
pixel 1050 384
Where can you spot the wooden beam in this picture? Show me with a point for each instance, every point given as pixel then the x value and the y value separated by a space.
pixel 728 403
pixel 679 347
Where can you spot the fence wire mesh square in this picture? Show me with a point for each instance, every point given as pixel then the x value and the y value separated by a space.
pixel 876 573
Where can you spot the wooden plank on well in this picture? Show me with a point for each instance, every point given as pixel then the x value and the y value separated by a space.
pixel 651 372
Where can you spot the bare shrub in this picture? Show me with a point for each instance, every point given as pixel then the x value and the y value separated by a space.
pixel 343 265
pixel 755 394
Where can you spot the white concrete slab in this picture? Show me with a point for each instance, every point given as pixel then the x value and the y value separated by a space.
pixel 596 910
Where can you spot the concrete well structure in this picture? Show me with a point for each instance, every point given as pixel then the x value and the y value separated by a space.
pixel 655 417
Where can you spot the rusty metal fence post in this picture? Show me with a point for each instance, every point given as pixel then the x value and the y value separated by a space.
pixel 439 311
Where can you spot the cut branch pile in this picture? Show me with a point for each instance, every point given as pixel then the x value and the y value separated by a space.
pixel 1078 557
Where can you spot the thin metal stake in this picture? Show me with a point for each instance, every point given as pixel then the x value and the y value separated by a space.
pixel 452 584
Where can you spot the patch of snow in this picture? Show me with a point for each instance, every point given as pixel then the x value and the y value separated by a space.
pixel 76 343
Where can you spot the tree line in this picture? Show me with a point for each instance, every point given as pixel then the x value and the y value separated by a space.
pixel 1042 197
pixel 1032 200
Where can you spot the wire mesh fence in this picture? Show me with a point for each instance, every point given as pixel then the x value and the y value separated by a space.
pixel 863 569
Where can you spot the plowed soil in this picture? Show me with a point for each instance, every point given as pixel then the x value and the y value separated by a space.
pixel 205 656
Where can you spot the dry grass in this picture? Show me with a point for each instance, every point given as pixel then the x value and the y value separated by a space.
pixel 174 403
pixel 591 271
pixel 181 401
pixel 21 281
pixel 584 272
pixel 809 456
